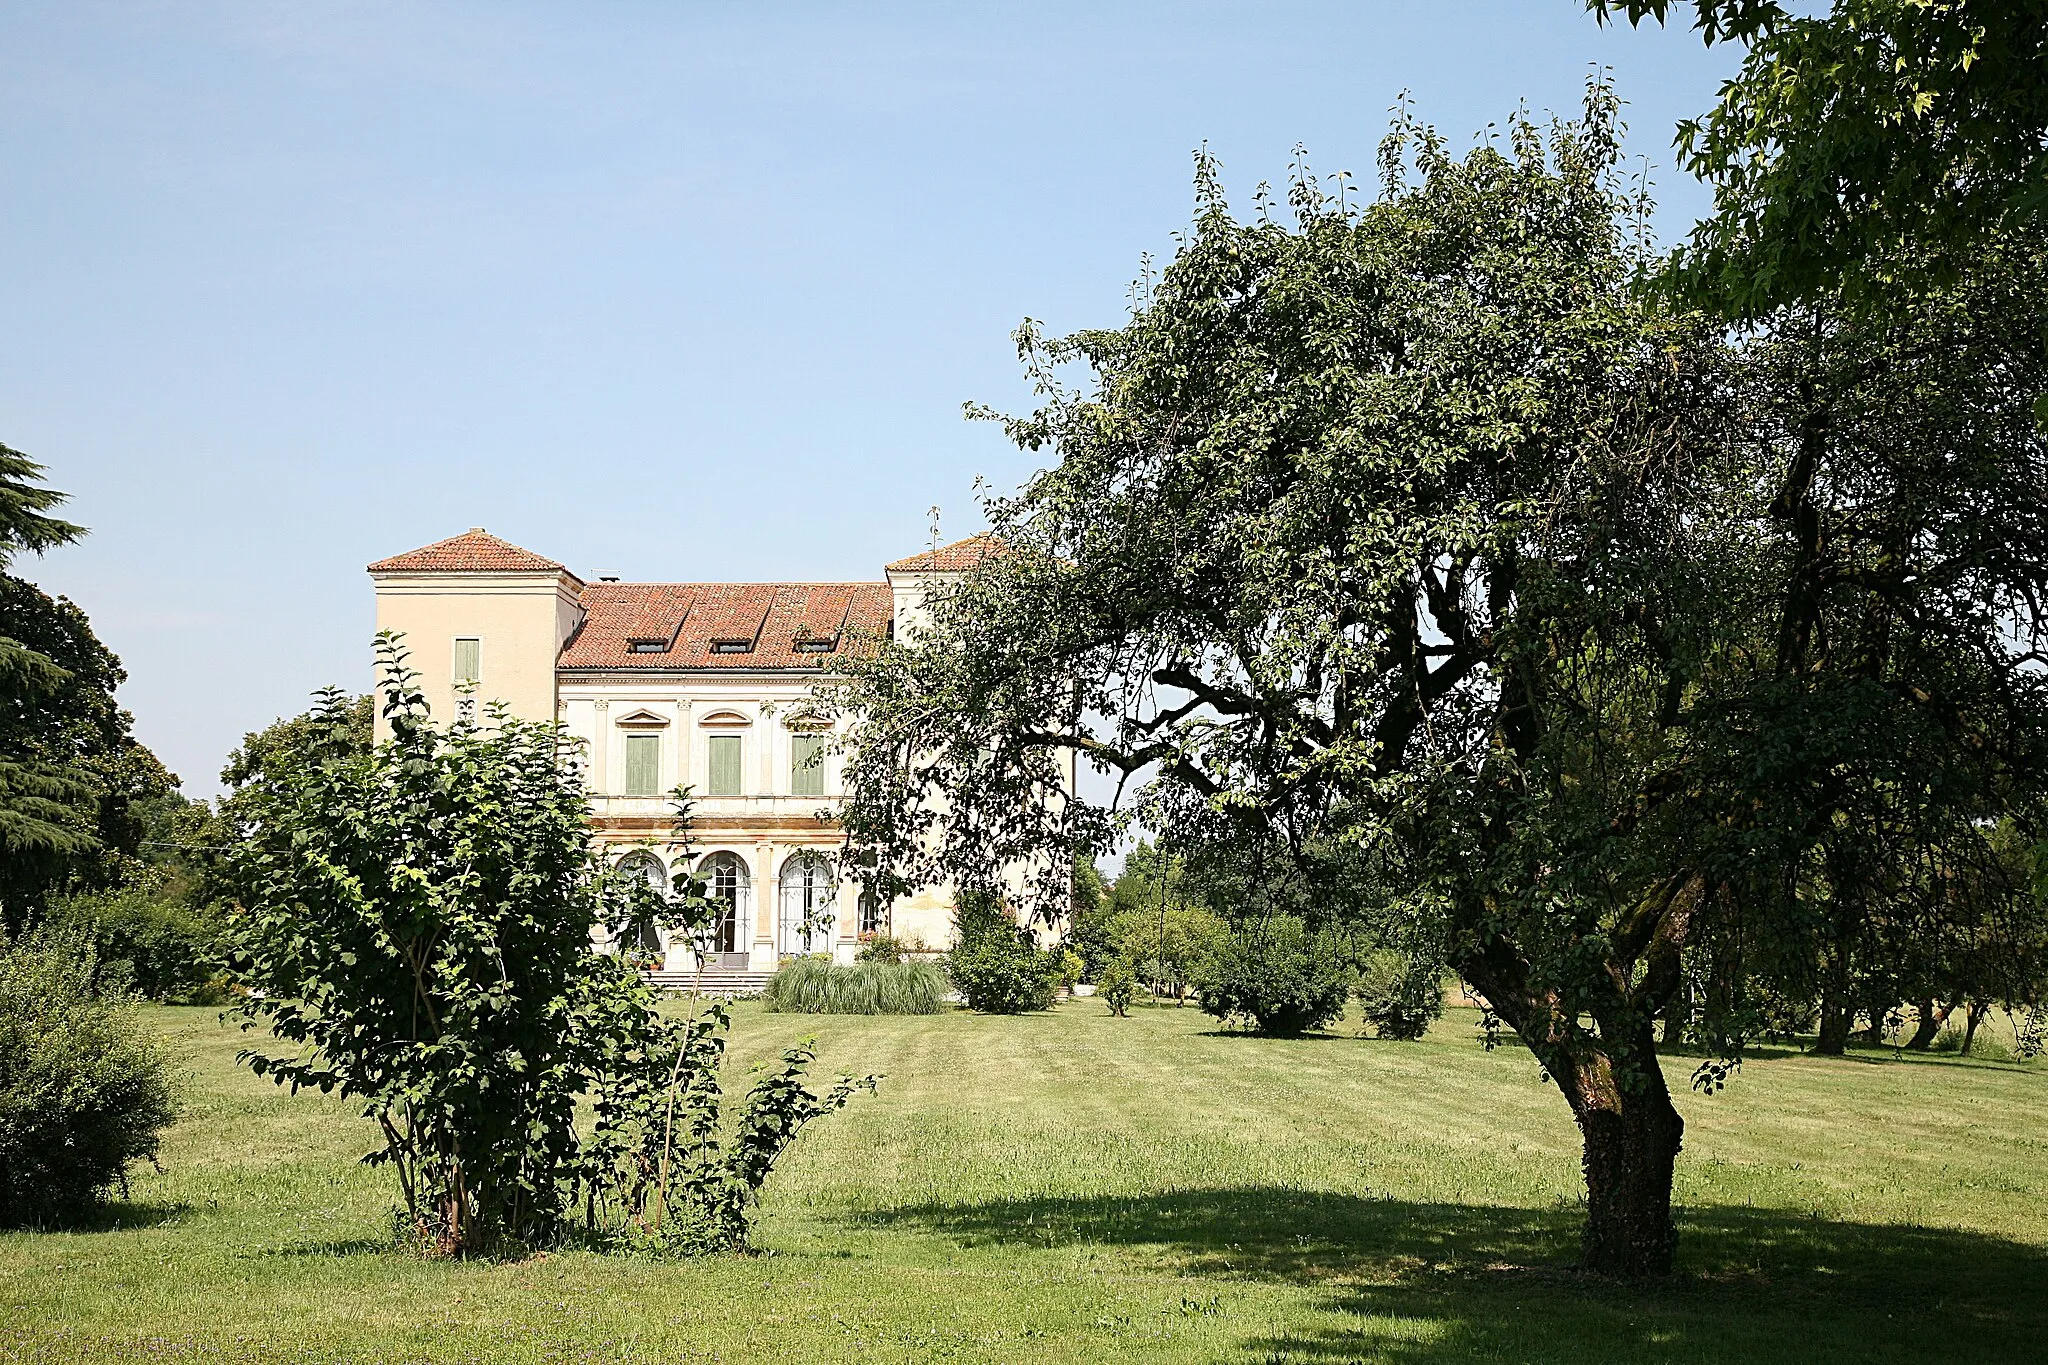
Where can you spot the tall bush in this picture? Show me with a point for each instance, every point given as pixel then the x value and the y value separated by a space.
pixel 85 1089
pixel 1401 994
pixel 995 965
pixel 814 985
pixel 1277 978
pixel 167 948
pixel 418 931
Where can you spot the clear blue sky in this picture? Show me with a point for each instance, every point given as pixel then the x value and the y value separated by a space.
pixel 681 290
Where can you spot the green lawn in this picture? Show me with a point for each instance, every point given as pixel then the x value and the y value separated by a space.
pixel 1072 1187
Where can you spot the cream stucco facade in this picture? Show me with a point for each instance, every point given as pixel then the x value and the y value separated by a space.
pixel 666 685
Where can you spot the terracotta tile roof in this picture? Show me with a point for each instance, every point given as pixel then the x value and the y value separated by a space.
pixel 474 551
pixel 758 624
pixel 958 557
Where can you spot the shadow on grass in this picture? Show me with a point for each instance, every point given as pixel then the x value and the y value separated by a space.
pixel 1409 1282
pixel 115 1215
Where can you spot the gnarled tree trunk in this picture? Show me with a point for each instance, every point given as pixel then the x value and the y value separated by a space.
pixel 1632 1136
pixel 1630 1130
pixel 1928 1026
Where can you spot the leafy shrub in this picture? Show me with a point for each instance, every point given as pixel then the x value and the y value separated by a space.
pixel 85 1090
pixel 1072 969
pixel 1169 947
pixel 165 948
pixel 1116 986
pixel 661 1172
pixel 883 948
pixel 418 932
pixel 995 965
pixel 1400 995
pixel 998 976
pixel 1277 978
pixel 815 985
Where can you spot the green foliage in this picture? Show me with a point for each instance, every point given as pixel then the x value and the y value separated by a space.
pixel 994 964
pixel 1874 144
pixel 1088 916
pixel 85 1090
pixel 1377 524
pixel 1636 662
pixel 1169 946
pixel 70 770
pixel 883 948
pixel 1278 978
pixel 417 927
pixel 155 939
pixel 1116 986
pixel 816 985
pixel 1400 995
pixel 662 1172
pixel 1072 968
pixel 344 725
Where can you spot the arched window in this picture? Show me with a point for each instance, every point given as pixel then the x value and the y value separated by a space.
pixel 647 866
pixel 726 880
pixel 810 892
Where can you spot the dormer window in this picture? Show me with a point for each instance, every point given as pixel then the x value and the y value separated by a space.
pixel 647 646
pixel 815 644
pixel 732 646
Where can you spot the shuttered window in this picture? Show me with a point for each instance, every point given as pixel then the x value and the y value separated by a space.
pixel 724 777
pixel 469 660
pixel 643 765
pixel 807 765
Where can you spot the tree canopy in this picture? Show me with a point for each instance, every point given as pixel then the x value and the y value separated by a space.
pixel 71 772
pixel 1874 143
pixel 1417 532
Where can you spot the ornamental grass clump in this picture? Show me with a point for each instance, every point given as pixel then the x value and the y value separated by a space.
pixel 816 985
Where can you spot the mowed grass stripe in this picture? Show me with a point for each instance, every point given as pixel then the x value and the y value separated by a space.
pixel 1076 1187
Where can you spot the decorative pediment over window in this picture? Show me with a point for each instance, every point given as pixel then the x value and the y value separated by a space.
pixel 807 717
pixel 642 719
pixel 724 720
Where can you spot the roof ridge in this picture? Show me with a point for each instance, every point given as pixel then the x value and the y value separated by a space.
pixel 474 551
pixel 957 557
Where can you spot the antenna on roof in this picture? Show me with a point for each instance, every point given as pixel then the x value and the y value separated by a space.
pixel 934 513
pixel 607 575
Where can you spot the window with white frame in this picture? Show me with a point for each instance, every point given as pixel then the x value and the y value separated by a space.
pixel 810 893
pixel 726 881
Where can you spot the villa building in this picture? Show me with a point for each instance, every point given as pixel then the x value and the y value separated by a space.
pixel 697 684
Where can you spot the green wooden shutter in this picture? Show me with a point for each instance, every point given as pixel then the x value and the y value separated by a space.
pixel 807 765
pixel 643 765
pixel 469 663
pixel 725 765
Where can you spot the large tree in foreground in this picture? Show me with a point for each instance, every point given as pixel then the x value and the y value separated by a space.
pixel 1633 669
pixel 1384 525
